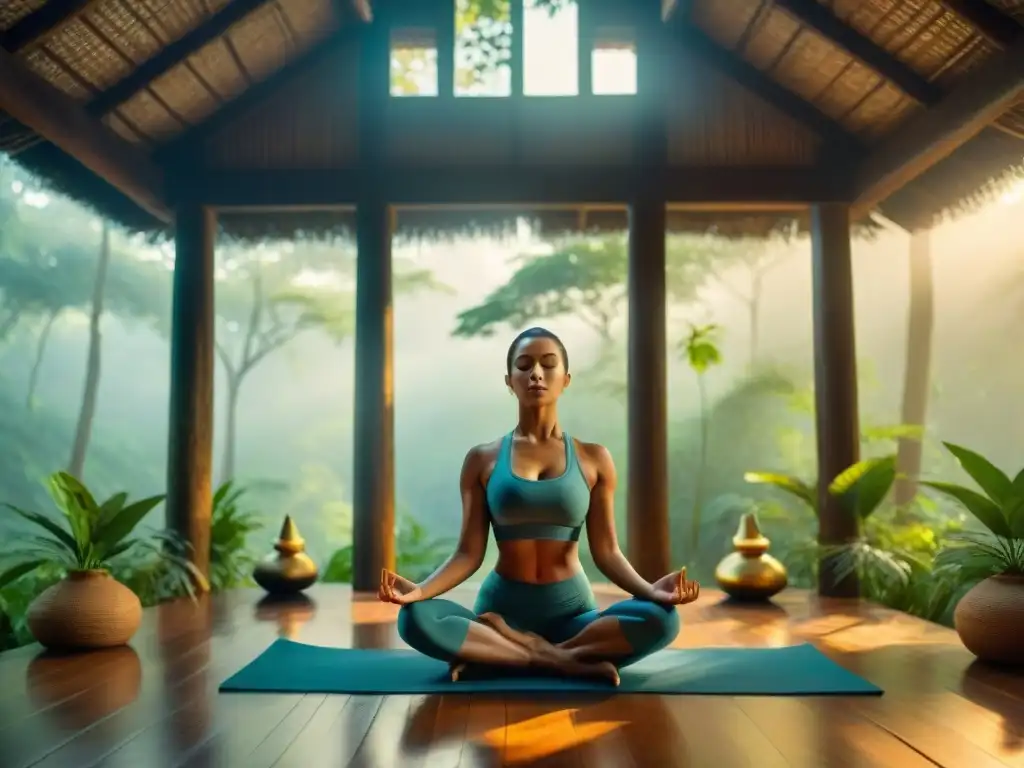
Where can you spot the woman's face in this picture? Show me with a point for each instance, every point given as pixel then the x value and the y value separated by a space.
pixel 538 371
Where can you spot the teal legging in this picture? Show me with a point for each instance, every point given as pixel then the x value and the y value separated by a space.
pixel 557 612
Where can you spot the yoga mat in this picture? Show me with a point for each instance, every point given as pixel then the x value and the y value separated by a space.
pixel 800 670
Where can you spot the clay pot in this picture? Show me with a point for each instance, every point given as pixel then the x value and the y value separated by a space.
pixel 990 620
pixel 88 609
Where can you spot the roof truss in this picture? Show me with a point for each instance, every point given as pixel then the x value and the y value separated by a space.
pixel 821 19
pixel 39 23
pixel 932 135
pixel 60 120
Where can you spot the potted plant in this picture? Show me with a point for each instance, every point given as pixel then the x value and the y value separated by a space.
pixel 88 608
pixel 990 617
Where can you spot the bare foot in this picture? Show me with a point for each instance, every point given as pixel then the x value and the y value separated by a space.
pixel 530 640
pixel 564 663
pixel 456 668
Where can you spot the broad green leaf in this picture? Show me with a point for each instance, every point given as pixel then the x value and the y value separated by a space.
pixel 69 504
pixel 992 480
pixel 864 486
pixel 791 485
pixel 15 572
pixel 222 492
pixel 1018 483
pixel 108 510
pixel 62 536
pixel 124 523
pixel 984 509
pixel 75 487
pixel 1013 511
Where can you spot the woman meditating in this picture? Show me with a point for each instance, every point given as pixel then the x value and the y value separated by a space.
pixel 538 487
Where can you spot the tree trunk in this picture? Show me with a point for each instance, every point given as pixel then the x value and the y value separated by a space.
pixel 227 464
pixel 702 463
pixel 754 317
pixel 86 414
pixel 918 364
pixel 41 341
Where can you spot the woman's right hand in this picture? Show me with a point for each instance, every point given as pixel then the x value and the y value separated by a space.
pixel 395 589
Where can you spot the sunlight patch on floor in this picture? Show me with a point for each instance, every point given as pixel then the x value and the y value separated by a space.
pixel 546 735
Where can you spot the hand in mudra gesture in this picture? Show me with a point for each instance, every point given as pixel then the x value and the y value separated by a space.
pixel 675 589
pixel 395 589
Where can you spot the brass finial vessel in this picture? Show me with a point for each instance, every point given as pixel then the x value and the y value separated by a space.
pixel 750 573
pixel 290 570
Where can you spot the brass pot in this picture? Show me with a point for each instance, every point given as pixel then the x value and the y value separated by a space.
pixel 990 620
pixel 750 573
pixel 85 610
pixel 290 570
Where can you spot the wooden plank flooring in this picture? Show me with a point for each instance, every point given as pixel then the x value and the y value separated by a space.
pixel 156 704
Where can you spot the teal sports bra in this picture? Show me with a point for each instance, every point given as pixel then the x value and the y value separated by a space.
pixel 554 508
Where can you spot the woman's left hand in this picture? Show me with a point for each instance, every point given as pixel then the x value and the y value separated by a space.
pixel 675 589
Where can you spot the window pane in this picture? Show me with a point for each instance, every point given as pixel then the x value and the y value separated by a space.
pixel 483 48
pixel 413 63
pixel 614 68
pixel 551 48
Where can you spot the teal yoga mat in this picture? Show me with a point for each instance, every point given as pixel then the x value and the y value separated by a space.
pixel 800 670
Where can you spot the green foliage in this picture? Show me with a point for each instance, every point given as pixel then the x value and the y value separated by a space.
pixel 999 508
pixel 417 555
pixel 89 535
pixel 586 278
pixel 231 560
pixel 700 348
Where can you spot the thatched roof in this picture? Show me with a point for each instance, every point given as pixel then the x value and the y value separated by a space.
pixel 789 77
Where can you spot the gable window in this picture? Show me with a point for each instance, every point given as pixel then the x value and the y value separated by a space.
pixel 483 48
pixel 414 62
pixel 550 48
pixel 613 62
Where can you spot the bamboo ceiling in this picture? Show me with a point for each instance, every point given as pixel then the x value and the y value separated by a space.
pixel 153 70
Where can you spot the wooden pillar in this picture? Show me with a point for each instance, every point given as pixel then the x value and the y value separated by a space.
pixel 373 477
pixel 373 493
pixel 835 383
pixel 190 432
pixel 516 62
pixel 585 50
pixel 647 539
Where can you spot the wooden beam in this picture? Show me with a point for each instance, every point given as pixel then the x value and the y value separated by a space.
pixel 172 55
pixel 190 440
pixel 821 19
pixel 508 184
pixel 991 23
pixel 39 23
pixel 53 115
pixel 764 87
pixel 196 136
pixel 835 385
pixel 981 97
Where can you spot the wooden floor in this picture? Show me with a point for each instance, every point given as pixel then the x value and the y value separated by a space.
pixel 156 704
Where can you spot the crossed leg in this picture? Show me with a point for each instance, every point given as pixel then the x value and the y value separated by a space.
pixel 449 632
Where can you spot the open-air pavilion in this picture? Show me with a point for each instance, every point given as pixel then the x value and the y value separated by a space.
pixel 749 114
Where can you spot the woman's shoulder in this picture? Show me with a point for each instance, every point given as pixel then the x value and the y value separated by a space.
pixel 592 452
pixel 485 452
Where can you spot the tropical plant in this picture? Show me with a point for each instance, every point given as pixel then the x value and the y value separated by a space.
pixel 95 536
pixel 999 549
pixel 417 555
pixel 231 560
pixel 701 352
pixel 895 561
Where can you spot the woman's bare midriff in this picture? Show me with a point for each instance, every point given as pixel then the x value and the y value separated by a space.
pixel 538 562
